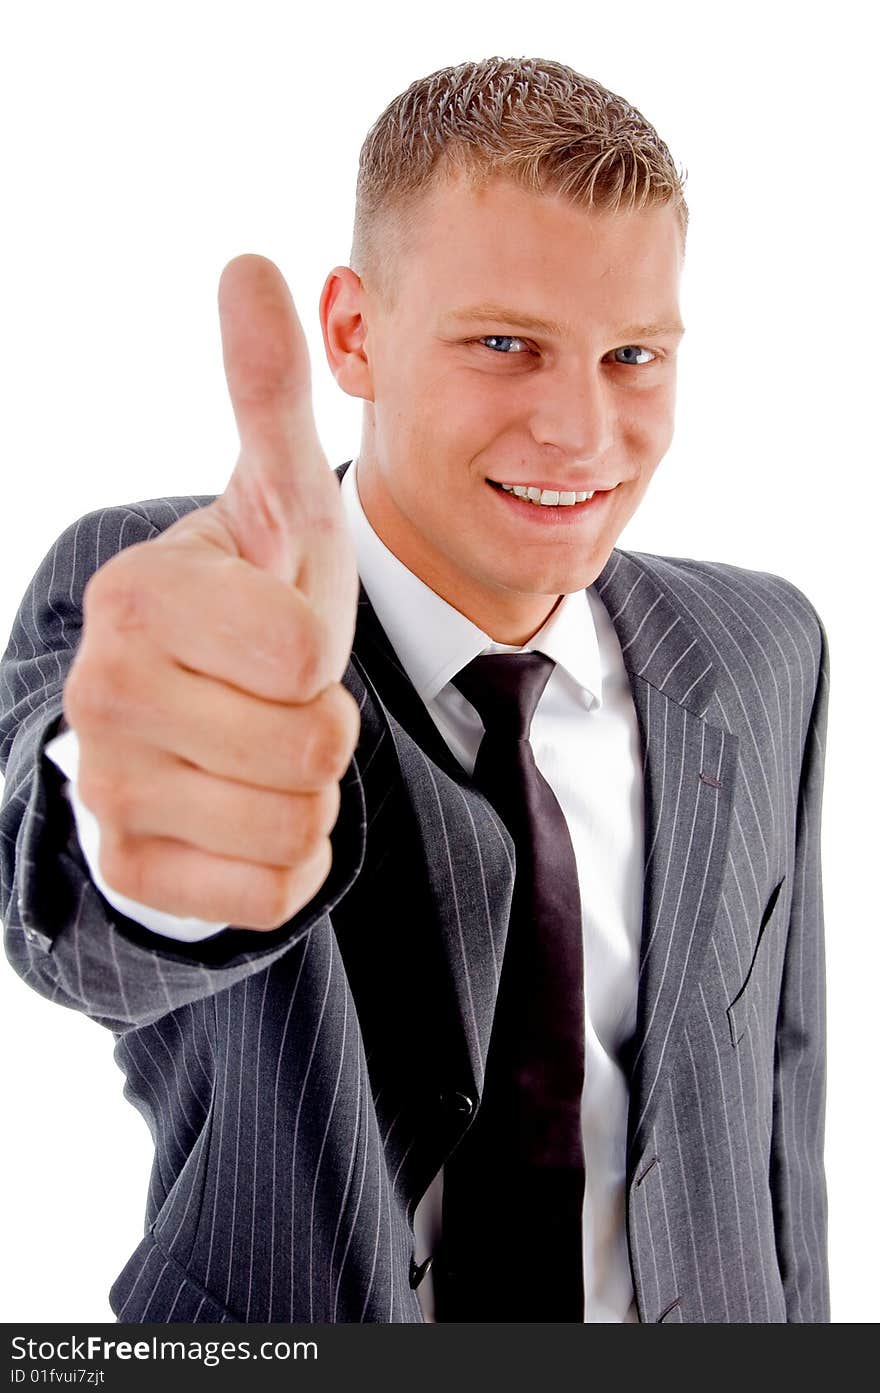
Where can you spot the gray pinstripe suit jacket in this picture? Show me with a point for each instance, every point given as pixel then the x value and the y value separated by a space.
pixel 304 1086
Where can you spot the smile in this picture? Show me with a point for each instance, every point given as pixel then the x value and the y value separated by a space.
pixel 553 508
pixel 548 498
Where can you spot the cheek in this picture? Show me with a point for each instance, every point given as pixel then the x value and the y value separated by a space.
pixel 452 421
pixel 475 425
pixel 648 425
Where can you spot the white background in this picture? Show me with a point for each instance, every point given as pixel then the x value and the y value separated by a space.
pixel 145 146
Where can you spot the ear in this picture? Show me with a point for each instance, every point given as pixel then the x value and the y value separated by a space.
pixel 342 308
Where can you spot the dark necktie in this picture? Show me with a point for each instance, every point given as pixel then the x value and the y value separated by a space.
pixel 511 1243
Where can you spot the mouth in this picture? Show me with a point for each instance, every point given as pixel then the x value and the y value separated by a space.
pixel 551 511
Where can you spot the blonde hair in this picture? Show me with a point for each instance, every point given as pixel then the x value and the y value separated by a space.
pixel 533 121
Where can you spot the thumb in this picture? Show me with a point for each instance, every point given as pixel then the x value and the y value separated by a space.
pixel 281 487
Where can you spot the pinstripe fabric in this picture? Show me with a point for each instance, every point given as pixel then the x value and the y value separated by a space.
pixel 300 1085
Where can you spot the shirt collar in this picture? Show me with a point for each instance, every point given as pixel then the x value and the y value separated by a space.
pixel 434 641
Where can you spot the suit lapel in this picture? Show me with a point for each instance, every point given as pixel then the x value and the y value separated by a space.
pixel 690 769
pixel 689 766
pixel 469 856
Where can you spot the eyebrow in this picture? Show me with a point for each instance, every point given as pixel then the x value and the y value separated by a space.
pixel 503 314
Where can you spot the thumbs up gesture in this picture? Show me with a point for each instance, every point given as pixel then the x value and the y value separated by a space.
pixel 212 724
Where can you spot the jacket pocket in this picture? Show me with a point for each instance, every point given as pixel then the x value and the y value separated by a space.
pixel 738 1010
pixel 153 1288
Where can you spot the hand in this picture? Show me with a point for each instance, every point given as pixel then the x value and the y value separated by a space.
pixel 212 724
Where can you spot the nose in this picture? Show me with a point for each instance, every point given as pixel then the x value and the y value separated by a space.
pixel 573 411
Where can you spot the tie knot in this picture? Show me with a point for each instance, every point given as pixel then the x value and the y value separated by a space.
pixel 505 689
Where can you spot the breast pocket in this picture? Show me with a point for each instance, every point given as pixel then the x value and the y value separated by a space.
pixel 739 1009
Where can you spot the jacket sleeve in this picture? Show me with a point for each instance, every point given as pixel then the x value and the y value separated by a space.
pixel 60 934
pixel 797 1176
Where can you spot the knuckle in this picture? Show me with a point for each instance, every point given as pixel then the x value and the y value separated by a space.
pixel 75 692
pixel 96 692
pixel 107 794
pixel 329 801
pixel 310 663
pixel 289 832
pixel 289 890
pixel 351 715
pixel 335 735
pixel 114 597
pixel 121 867
pixel 236 749
pixel 277 903
pixel 322 811
pixel 324 752
pixel 317 873
pixel 304 820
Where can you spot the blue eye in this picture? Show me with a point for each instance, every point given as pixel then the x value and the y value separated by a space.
pixel 635 348
pixel 494 341
pixel 508 344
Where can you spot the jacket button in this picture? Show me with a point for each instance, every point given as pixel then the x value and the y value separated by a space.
pixel 417 1270
pixel 458 1103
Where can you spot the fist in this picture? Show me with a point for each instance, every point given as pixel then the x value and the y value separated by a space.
pixel 212 724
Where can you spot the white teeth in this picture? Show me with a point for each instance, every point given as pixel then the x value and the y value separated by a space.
pixel 549 498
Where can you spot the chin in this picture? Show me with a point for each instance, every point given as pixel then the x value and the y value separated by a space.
pixel 551 583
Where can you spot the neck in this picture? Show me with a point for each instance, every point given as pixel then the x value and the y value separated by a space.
pixel 511 621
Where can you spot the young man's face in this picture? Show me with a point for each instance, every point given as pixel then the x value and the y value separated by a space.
pixel 468 391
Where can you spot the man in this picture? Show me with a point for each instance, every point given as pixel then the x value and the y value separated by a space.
pixel 286 880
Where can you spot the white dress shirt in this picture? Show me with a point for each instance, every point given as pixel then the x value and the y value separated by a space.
pixel 586 743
